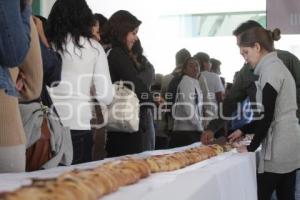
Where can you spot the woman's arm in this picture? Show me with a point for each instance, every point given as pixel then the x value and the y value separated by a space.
pixel 269 95
pixel 32 68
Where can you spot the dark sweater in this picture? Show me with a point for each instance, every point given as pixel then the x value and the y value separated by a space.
pixel 52 65
pixel 261 127
pixel 122 68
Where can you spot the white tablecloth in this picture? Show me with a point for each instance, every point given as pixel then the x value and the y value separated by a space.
pixel 230 176
pixel 227 177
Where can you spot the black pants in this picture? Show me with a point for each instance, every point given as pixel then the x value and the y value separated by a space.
pixel 283 184
pixel 82 146
pixel 120 143
pixel 183 138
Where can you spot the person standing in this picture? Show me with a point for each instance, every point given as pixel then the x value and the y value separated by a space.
pixel 244 87
pixel 214 84
pixel 146 73
pixel 188 114
pixel 278 126
pixel 122 29
pixel 84 63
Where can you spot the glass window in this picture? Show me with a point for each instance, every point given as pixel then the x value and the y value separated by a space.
pixel 203 25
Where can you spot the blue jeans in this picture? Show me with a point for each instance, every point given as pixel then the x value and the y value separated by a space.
pixel 14 40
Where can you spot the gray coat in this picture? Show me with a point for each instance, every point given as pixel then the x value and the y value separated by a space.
pixel 280 151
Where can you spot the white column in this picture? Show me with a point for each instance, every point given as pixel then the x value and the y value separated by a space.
pixel 46 6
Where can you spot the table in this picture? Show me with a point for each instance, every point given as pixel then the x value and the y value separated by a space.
pixel 230 176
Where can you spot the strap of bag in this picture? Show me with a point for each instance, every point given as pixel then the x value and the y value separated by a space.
pixel 108 51
pixel 98 119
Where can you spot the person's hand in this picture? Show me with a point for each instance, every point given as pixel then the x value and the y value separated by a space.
pixel 40 29
pixel 38 23
pixel 242 149
pixel 20 83
pixel 235 136
pixel 159 100
pixel 207 137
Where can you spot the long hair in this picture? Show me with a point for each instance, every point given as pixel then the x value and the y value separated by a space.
pixel 137 55
pixel 119 25
pixel 72 17
pixel 263 37
pixel 102 21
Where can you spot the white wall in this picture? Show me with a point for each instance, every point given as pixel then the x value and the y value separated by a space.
pixel 46 6
pixel 160 43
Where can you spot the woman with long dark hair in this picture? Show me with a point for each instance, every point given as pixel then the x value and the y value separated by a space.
pixel 146 73
pixel 127 64
pixel 84 63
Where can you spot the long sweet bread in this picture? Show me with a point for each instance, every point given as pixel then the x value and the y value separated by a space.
pixel 94 183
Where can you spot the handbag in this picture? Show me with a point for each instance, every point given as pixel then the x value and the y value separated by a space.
pixel 48 141
pixel 123 113
pixel 40 152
